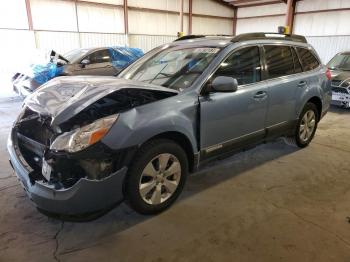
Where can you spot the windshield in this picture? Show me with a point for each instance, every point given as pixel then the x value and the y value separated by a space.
pixel 172 67
pixel 340 61
pixel 75 55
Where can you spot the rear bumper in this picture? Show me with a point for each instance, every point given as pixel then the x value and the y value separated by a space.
pixel 85 196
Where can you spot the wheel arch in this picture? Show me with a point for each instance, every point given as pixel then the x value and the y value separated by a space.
pixel 318 103
pixel 180 139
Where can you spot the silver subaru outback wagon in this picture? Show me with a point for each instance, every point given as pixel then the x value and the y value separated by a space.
pixel 82 144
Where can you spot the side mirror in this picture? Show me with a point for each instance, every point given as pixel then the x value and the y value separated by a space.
pixel 85 62
pixel 224 84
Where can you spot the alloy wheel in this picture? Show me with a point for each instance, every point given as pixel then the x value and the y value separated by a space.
pixel 307 125
pixel 160 179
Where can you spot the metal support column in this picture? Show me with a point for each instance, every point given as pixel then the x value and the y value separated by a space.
pixel 290 15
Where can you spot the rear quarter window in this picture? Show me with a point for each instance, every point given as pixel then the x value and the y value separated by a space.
pixel 297 65
pixel 307 58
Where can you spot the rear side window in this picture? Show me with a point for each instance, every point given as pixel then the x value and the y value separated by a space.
pixel 308 60
pixel 243 64
pixel 279 61
pixel 297 66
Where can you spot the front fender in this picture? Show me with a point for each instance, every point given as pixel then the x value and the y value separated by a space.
pixel 136 126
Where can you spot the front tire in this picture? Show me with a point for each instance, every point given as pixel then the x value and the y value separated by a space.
pixel 306 126
pixel 156 176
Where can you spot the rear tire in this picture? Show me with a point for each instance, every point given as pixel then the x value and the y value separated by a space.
pixel 305 128
pixel 156 176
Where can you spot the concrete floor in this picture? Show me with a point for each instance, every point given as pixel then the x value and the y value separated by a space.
pixel 272 203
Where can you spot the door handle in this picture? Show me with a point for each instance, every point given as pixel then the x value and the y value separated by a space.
pixel 302 83
pixel 260 95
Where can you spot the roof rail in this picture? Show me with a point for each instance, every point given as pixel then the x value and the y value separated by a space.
pixel 255 36
pixel 186 37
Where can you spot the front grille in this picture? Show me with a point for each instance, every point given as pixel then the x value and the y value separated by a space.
pixel 336 82
pixel 345 84
pixel 31 145
pixel 34 136
pixel 340 90
pixel 35 127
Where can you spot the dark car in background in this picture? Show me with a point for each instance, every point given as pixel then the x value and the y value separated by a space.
pixel 339 66
pixel 106 61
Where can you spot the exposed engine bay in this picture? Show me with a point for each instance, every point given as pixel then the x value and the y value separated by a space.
pixel 113 103
pixel 35 134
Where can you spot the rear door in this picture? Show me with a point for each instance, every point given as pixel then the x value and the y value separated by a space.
pixel 284 76
pixel 232 120
pixel 311 76
pixel 99 64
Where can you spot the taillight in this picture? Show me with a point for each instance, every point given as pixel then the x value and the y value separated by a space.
pixel 328 74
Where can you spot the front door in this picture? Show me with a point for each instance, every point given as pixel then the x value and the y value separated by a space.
pixel 229 121
pixel 99 64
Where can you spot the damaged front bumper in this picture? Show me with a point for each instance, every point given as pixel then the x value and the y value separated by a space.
pixel 341 97
pixel 85 196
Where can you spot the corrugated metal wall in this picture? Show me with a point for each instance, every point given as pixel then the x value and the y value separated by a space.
pixel 153 23
pixel 101 25
pixel 64 25
pixel 209 25
pixel 266 24
pixel 148 42
pixel 209 7
pixel 170 5
pixel 328 32
pixel 13 14
pixel 262 10
pixel 249 20
pixel 15 46
pixel 328 46
pixel 95 39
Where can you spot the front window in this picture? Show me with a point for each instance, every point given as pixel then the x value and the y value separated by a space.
pixel 101 56
pixel 174 67
pixel 243 65
pixel 74 55
pixel 340 61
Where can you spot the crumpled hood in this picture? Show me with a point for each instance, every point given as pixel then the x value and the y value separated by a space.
pixel 64 97
pixel 340 75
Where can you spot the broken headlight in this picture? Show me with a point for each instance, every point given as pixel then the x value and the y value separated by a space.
pixel 82 137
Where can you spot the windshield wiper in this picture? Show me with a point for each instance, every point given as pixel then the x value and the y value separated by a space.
pixel 159 73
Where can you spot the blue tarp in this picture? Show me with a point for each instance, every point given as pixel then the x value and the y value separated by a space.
pixel 123 56
pixel 120 56
pixel 43 73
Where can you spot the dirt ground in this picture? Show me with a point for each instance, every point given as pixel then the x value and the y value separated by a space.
pixel 271 203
